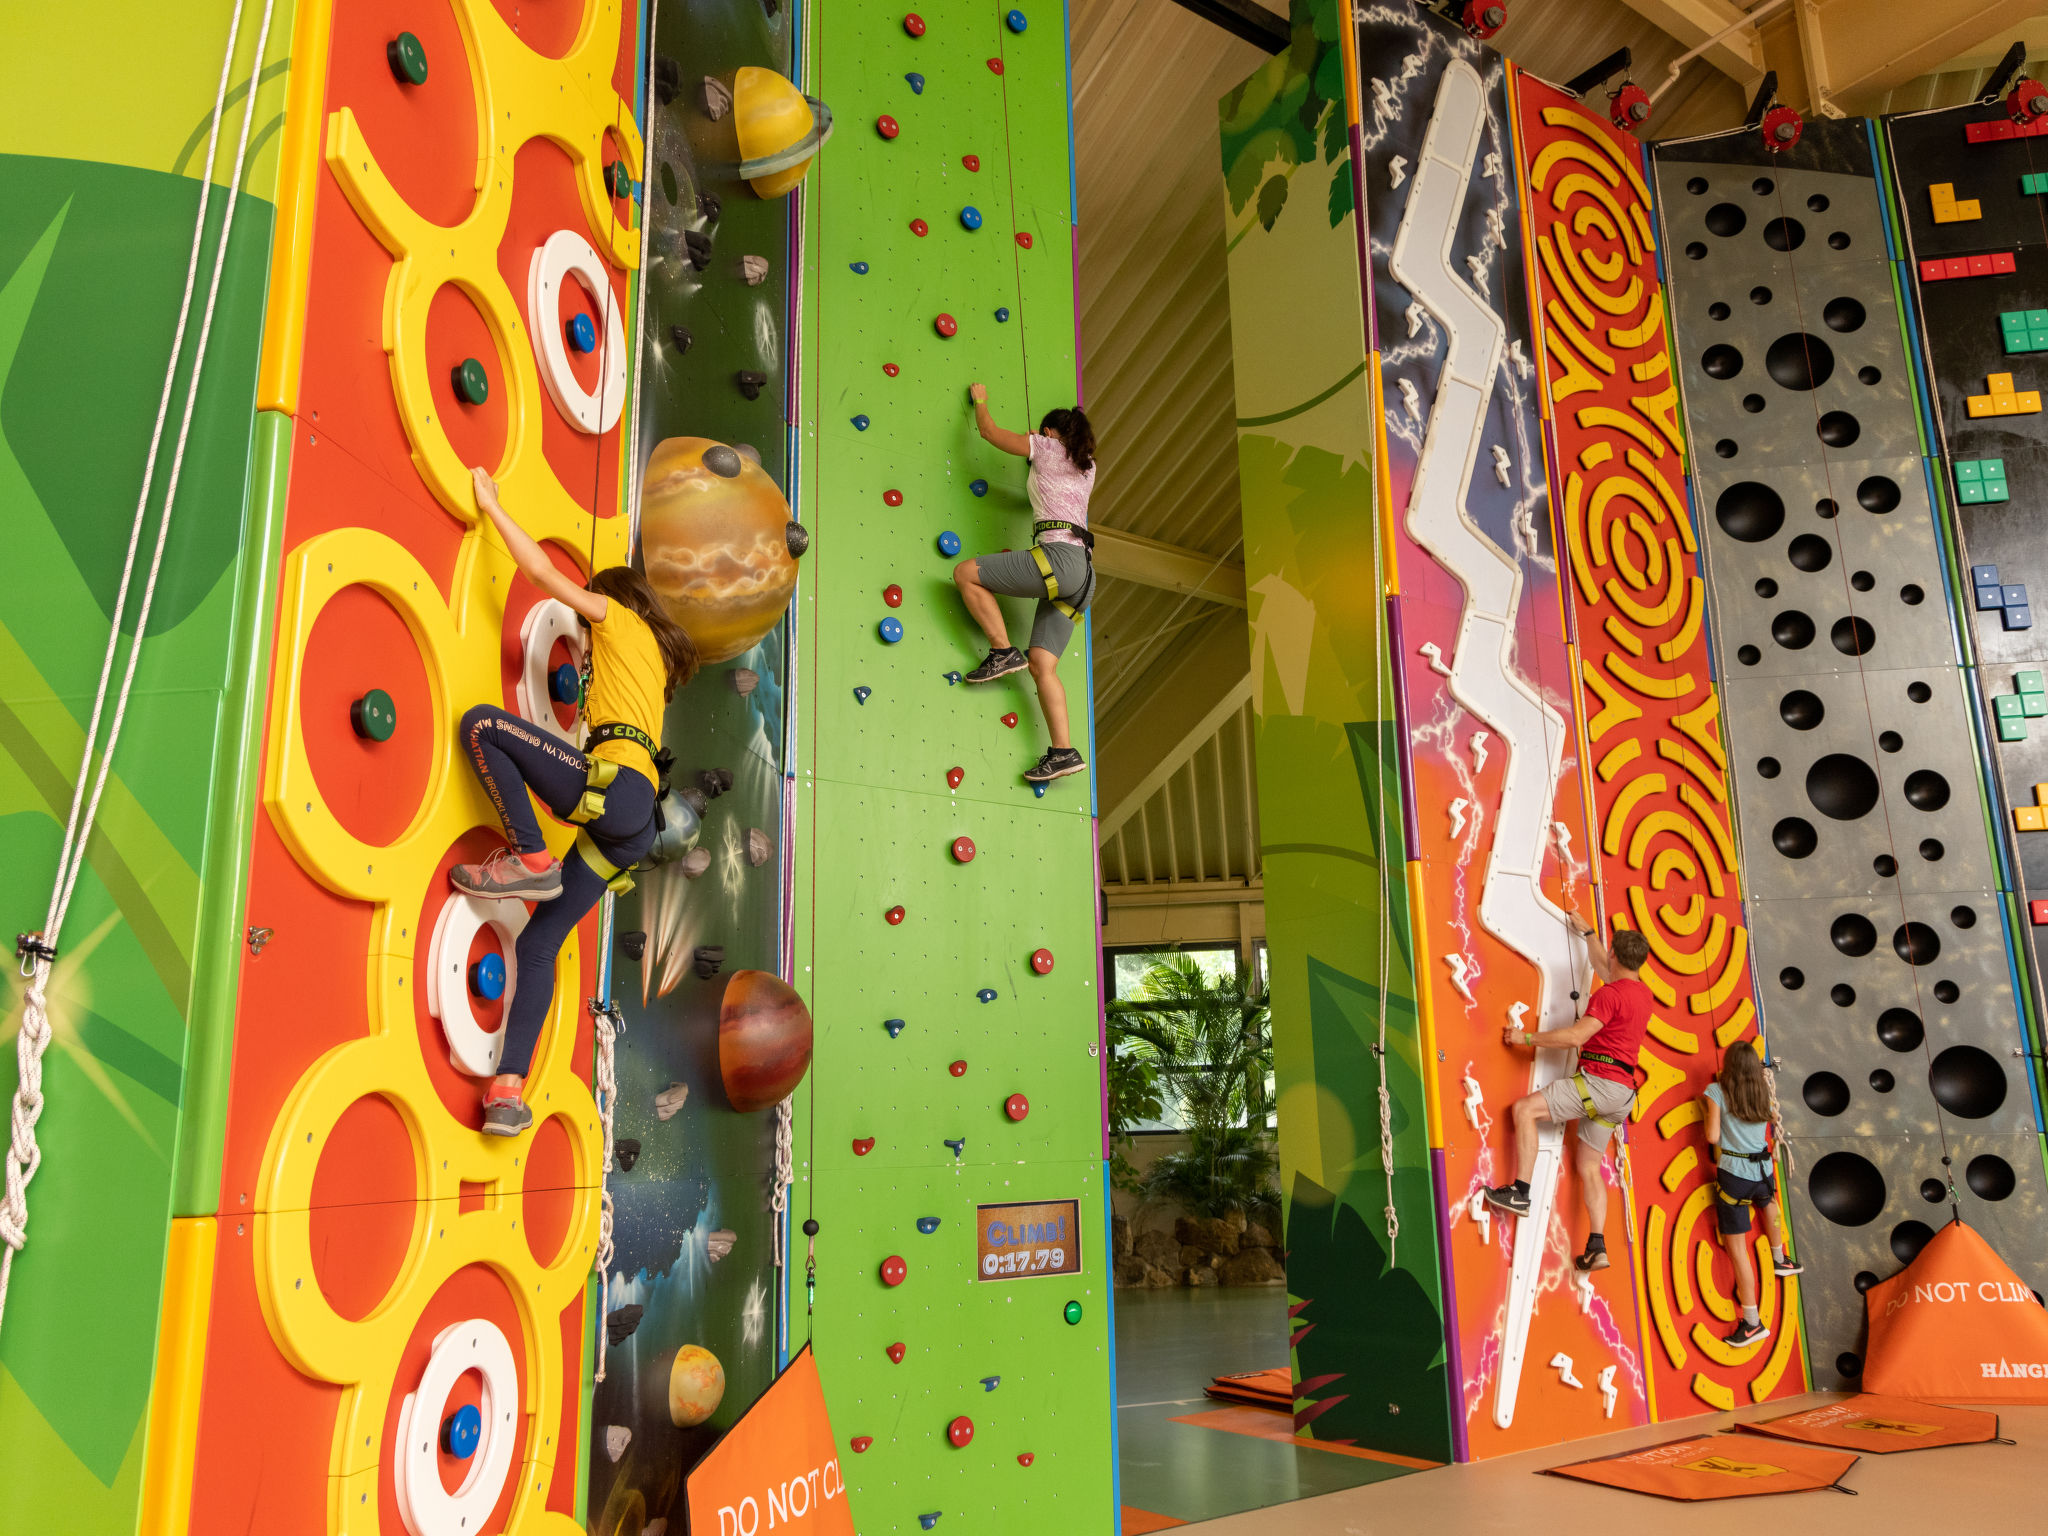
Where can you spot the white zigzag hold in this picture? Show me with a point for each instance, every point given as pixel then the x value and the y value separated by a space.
pixel 1460 969
pixel 1458 818
pixel 1479 740
pixel 1397 168
pixel 1608 1393
pixel 1429 653
pixel 1562 1363
pixel 1475 1101
pixel 1491 165
pixel 1410 397
pixel 1501 464
pixel 1583 1285
pixel 1482 1213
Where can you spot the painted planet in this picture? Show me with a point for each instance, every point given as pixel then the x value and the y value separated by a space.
pixel 764 1040
pixel 714 530
pixel 780 130
pixel 696 1386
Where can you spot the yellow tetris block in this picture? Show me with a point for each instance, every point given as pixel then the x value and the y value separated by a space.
pixel 2029 401
pixel 2005 405
pixel 2030 818
pixel 2000 383
pixel 1979 405
pixel 2041 794
pixel 1943 195
pixel 1966 211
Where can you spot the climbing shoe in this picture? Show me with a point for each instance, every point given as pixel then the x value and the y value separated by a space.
pixel 1592 1259
pixel 998 663
pixel 1512 1198
pixel 1746 1332
pixel 505 876
pixel 1787 1266
pixel 505 1113
pixel 1057 763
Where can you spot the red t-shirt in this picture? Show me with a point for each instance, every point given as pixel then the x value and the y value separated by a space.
pixel 1623 1009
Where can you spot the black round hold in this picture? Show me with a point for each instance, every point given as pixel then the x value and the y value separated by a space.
pixel 1900 1029
pixel 1842 786
pixel 1908 1238
pixel 1967 1081
pixel 723 462
pixel 797 537
pixel 1799 361
pixel 1795 837
pixel 1792 629
pixel 1825 1093
pixel 1990 1177
pixel 1801 710
pixel 1750 511
pixel 1853 636
pixel 1846 1187
pixel 1853 934
pixel 810 1226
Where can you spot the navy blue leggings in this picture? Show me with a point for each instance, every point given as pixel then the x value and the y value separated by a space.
pixel 511 756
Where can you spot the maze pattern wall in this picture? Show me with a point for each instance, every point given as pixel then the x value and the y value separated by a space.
pixel 913 961
pixel 1875 902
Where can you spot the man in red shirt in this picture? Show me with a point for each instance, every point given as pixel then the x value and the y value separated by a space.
pixel 1599 1095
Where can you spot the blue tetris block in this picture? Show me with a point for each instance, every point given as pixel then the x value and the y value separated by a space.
pixel 1984 575
pixel 2015 597
pixel 2019 618
pixel 1990 598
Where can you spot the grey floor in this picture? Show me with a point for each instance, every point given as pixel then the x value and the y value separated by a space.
pixel 1169 1345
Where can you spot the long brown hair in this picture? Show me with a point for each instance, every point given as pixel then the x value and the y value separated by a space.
pixel 1073 429
pixel 1743 1085
pixel 623 584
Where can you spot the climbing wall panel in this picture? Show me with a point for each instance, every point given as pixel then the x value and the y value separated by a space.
pixel 1651 721
pixel 361 1217
pixel 1366 1289
pixel 1874 894
pixel 983 125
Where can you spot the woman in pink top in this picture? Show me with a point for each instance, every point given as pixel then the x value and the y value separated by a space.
pixel 1056 569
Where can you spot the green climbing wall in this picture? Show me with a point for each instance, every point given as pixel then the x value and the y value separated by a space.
pixel 875 818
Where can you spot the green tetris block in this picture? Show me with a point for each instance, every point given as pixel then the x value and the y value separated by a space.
pixel 2012 320
pixel 1991 469
pixel 2033 706
pixel 1969 469
pixel 2033 183
pixel 1994 490
pixel 2030 681
pixel 2010 729
pixel 1970 493
pixel 2007 705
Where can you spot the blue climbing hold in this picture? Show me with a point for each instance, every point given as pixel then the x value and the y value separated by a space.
pixel 970 217
pixel 979 487
pixel 564 684
pixel 1016 21
pixel 990 1383
pixel 959 1147
pixel 582 334
pixel 890 629
pixel 860 423
pixel 860 695
pixel 1002 315
pixel 461 1431
pixel 951 678
pixel 949 543
pixel 860 268
pixel 916 83
pixel 487 978
pixel 1038 790
pixel 927 1225
pixel 930 1520
pixel 987 994
pixel 894 1026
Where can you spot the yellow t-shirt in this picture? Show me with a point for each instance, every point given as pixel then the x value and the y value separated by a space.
pixel 627 683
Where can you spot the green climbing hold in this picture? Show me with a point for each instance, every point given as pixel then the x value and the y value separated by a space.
pixel 472 384
pixel 407 58
pixel 374 717
pixel 1073 1313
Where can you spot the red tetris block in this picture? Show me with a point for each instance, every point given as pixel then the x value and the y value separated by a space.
pixel 1980 266
pixel 1985 133
pixel 1938 268
pixel 1932 271
pixel 2002 261
pixel 2038 911
pixel 1956 266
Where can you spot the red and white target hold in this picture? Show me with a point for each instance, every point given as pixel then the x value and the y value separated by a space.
pixel 424 1502
pixel 541 683
pixel 454 985
pixel 566 255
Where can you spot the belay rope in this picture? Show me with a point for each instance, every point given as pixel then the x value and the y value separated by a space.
pixel 38 951
pixel 1385 921
pixel 610 1024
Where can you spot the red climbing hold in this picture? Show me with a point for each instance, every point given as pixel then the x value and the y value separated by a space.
pixel 1024 238
pixel 960 1431
pixel 1016 1106
pixel 1010 721
pixel 919 228
pixel 995 66
pixel 895 1354
pixel 954 776
pixel 893 916
pixel 885 125
pixel 894 1270
pixel 914 24
pixel 891 369
pixel 1025 1458
pixel 861 1443
pixel 893 595
pixel 892 498
pixel 972 162
pixel 963 850
pixel 863 1145
pixel 958 1069
pixel 945 325
pixel 1041 961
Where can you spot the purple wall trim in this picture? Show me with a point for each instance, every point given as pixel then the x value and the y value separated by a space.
pixel 1454 1359
pixel 1411 829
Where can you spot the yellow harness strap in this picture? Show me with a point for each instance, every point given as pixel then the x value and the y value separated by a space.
pixel 618 880
pixel 602 771
pixel 1052 585
pixel 1586 1102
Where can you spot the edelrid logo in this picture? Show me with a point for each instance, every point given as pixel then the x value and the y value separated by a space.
pixel 2005 1370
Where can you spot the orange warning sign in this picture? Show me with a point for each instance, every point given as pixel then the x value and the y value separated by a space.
pixel 1868 1422
pixel 777 1469
pixel 1957 1325
pixel 1714 1467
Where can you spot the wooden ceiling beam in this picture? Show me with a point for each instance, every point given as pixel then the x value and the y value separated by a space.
pixel 1740 56
pixel 1127 557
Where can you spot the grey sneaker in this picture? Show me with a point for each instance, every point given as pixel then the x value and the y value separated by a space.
pixel 998 663
pixel 1057 763
pixel 1746 1333
pixel 506 1117
pixel 504 876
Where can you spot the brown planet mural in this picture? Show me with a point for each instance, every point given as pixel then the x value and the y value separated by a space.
pixel 764 1040
pixel 718 543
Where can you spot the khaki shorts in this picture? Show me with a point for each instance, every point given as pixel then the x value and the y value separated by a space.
pixel 1612 1099
pixel 1014 573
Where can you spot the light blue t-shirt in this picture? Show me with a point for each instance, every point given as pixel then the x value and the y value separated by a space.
pixel 1745 1138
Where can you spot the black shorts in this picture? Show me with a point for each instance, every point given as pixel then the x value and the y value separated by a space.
pixel 1738 1194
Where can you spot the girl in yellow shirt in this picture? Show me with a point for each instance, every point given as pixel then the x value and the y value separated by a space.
pixel 638 657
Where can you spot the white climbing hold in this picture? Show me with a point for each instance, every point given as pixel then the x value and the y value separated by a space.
pixel 718 1244
pixel 1478 270
pixel 655 1527
pixel 1482 1213
pixel 1521 358
pixel 1564 839
pixel 1608 1393
pixel 1397 170
pixel 1475 1101
pixel 1460 969
pixel 1582 1285
pixel 753 270
pixel 1414 313
pixel 1479 741
pixel 1429 653
pixel 717 98
pixel 1385 103
pixel 1562 1364
pixel 1515 1012
pixel 616 1438
pixel 1501 464
pixel 1458 817
pixel 1410 397
pixel 670 1099
pixel 1490 166
pixel 1496 225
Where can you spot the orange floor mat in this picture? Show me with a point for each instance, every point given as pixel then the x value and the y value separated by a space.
pixel 1721 1466
pixel 1260 1424
pixel 1256 1389
pixel 1138 1521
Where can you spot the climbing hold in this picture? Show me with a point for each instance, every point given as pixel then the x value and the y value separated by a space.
pixel 759 847
pixel 487 977
pixel 891 369
pixel 565 683
pixel 472 384
pixel 860 423
pixel 916 83
pixel 1002 315
pixel 970 216
pixel 954 776
pixel 893 595
pixel 972 162
pixel 919 228
pixel 408 60
pixel 750 382
pixel 895 1353
pixel 670 1101
pixel 1016 1106
pixel 1072 1313
pixel 958 1069
pixel 619 1325
pixel 582 335
pixel 951 677
pixel 1010 720
pixel 863 1145
pixel 861 1443
pixel 1041 961
pixel 706 959
pixel 960 1431
pixel 618 181
pixel 1025 1458
pixel 894 1271
pixel 860 694
pixel 709 205
pixel 927 1225
pixel 796 538
pixel 373 717
pixel 986 995
pixel 893 916
pixel 885 125
pixel 859 268
pixel 695 863
pixel 959 1146
pixel 810 1226
pixel 744 680
pixel 717 98
pixel 894 1026
pixel 461 1430
pixel 914 24
pixel 930 1520
pixel 682 336
pixel 616 1438
pixel 892 498
pixel 697 246
pixel 1016 21
pixel 963 850
pixel 990 1383
pixel 995 66
pixel 626 1152
pixel 753 270
pixel 949 543
pixel 979 487
pixel 1038 790
pixel 890 629
pixel 946 325
pixel 1024 239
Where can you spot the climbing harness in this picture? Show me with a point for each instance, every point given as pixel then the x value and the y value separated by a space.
pixel 1585 1092
pixel 38 951
pixel 598 782
pixel 610 1025
pixel 1039 558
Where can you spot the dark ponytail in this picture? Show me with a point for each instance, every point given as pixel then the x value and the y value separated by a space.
pixel 1072 429
pixel 623 584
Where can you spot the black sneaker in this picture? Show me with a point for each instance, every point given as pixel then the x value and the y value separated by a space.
pixel 1787 1266
pixel 506 1117
pixel 1746 1332
pixel 1510 1199
pixel 1592 1259
pixel 998 663
pixel 1057 763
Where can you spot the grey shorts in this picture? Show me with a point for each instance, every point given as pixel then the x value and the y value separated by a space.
pixel 1612 1099
pixel 1015 574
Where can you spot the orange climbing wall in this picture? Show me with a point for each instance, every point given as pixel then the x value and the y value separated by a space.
pixel 360 1211
pixel 1650 720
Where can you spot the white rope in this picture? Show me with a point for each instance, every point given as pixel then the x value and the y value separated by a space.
pixel 1382 662
pixel 604 1078
pixel 24 1155
pixel 785 1173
